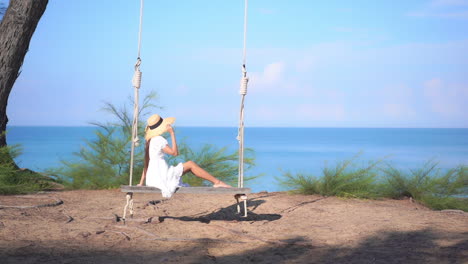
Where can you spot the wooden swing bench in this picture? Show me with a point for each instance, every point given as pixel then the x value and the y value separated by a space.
pixel 239 194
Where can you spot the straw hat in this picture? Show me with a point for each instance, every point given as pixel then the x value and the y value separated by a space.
pixel 157 125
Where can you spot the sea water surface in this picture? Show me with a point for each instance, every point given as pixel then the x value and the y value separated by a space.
pixel 278 150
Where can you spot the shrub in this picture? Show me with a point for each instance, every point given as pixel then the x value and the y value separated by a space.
pixel 344 179
pixel 19 181
pixel 436 188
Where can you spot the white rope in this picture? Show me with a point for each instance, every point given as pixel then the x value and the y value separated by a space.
pixel 129 205
pixel 243 92
pixel 140 27
pixel 245 33
pixel 240 138
pixel 136 82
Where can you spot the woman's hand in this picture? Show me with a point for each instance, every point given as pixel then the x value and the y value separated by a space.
pixel 170 129
pixel 171 150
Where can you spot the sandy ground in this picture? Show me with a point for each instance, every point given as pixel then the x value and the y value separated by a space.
pixel 188 228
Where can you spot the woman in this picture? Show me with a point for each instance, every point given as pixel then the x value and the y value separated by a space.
pixel 156 172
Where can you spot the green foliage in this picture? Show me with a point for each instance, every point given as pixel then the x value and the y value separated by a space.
pixel 345 179
pixel 300 183
pixel 217 161
pixel 436 188
pixel 104 162
pixel 8 154
pixel 17 181
pixel 8 172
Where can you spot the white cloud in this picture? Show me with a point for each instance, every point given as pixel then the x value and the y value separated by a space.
pixel 271 75
pixel 448 100
pixel 278 80
pixel 275 81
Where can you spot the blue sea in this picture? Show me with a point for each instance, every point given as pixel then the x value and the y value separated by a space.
pixel 278 150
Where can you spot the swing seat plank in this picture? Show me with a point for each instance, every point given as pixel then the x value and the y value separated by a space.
pixel 193 190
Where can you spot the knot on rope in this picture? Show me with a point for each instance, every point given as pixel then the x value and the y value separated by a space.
pixel 243 85
pixel 136 141
pixel 244 81
pixel 136 81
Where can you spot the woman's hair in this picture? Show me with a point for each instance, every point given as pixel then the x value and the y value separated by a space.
pixel 147 155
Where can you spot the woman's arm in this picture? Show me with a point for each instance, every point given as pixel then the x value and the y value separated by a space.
pixel 174 151
pixel 143 177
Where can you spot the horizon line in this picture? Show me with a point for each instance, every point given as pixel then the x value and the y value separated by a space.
pixel 342 127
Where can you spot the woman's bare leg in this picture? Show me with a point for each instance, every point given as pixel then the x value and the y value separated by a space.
pixel 199 172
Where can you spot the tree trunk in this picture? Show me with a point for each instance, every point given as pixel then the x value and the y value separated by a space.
pixel 16 30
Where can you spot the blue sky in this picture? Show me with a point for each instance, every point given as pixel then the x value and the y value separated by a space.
pixel 362 63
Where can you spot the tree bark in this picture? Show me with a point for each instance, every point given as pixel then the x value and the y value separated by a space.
pixel 16 30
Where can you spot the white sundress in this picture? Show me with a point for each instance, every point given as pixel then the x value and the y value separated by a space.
pixel 159 174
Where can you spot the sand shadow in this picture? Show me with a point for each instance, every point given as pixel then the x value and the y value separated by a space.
pixel 420 246
pixel 394 247
pixel 403 247
pixel 229 214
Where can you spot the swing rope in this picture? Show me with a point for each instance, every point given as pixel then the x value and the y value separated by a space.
pixel 136 82
pixel 243 92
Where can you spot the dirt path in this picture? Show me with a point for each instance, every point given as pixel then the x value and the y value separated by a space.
pixel 281 228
